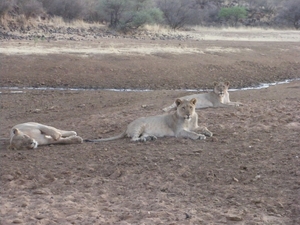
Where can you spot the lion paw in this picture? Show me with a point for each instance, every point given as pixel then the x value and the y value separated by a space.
pixel 73 133
pixel 201 137
pixel 208 133
pixel 150 138
pixel 144 138
pixel 76 139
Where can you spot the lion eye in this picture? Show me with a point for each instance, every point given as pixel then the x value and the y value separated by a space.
pixel 183 107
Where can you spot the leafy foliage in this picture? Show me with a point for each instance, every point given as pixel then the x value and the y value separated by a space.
pixel 129 14
pixel 233 13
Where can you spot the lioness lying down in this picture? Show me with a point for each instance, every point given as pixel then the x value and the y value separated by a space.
pixel 30 135
pixel 182 123
pixel 219 97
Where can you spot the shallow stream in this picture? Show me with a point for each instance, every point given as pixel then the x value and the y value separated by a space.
pixel 20 90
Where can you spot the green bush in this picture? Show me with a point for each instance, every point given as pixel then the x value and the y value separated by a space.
pixel 177 13
pixel 143 17
pixel 233 14
pixel 126 15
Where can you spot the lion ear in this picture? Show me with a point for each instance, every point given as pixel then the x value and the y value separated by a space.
pixel 227 83
pixel 215 83
pixel 178 102
pixel 16 131
pixel 193 101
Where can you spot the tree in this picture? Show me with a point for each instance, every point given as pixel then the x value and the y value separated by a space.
pixel 67 9
pixel 233 13
pixel 129 14
pixel 177 13
pixel 290 14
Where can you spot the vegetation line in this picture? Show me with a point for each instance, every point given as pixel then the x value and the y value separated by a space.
pixel 126 16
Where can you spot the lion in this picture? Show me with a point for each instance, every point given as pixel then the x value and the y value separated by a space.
pixel 219 97
pixel 182 123
pixel 29 135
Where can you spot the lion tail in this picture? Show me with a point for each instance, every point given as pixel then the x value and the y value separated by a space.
pixel 107 139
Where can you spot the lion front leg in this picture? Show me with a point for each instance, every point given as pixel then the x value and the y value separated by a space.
pixel 235 104
pixel 207 132
pixel 71 140
pixel 67 140
pixel 66 133
pixel 204 131
pixel 51 131
pixel 191 135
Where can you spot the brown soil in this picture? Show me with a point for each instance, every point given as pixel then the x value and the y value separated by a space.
pixel 248 173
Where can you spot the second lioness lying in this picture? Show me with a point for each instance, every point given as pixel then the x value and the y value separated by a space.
pixel 29 135
pixel 219 97
pixel 182 123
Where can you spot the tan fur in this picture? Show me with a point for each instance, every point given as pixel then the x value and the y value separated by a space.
pixel 219 97
pixel 182 123
pixel 30 135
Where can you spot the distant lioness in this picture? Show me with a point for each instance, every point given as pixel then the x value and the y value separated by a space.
pixel 30 135
pixel 219 97
pixel 182 123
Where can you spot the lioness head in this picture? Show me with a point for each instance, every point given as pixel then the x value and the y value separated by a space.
pixel 186 108
pixel 20 140
pixel 221 88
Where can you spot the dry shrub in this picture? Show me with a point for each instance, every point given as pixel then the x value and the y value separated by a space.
pixel 5 7
pixel 157 28
pixel 30 8
pixel 67 9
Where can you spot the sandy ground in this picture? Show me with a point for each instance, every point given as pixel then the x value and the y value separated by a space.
pixel 248 173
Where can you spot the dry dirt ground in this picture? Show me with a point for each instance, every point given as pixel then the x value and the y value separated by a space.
pixel 248 173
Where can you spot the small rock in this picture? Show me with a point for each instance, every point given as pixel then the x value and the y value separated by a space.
pixel 8 177
pixel 233 217
pixel 214 139
pixel 187 216
pixel 36 110
pixel 17 221
pixel 257 177
pixel 40 192
pixel 39 217
pixel 24 204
